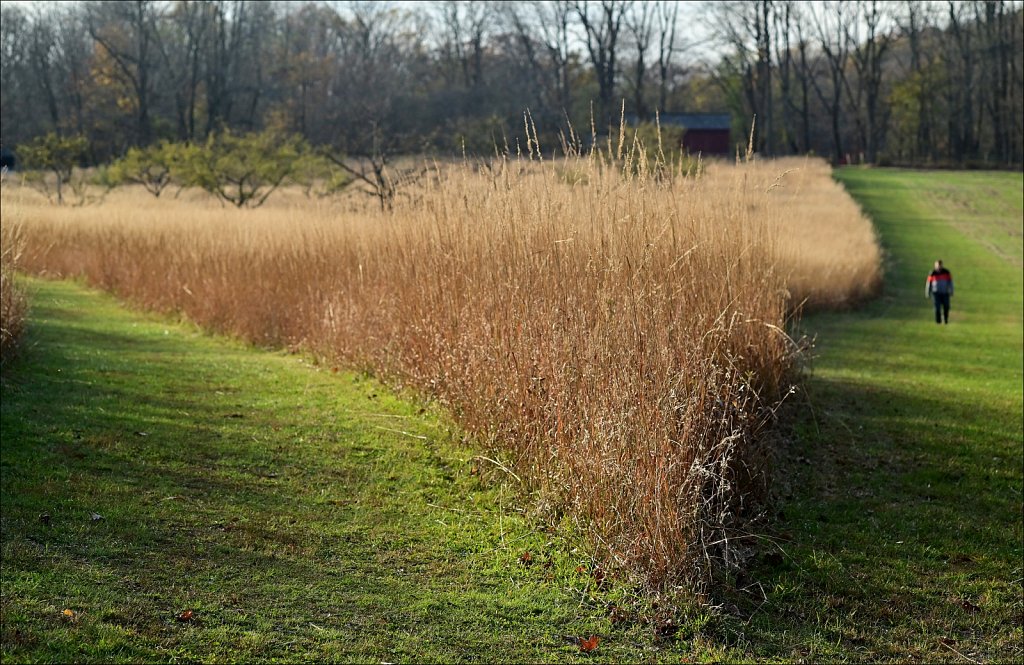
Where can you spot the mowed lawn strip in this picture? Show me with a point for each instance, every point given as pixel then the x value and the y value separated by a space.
pixel 300 514
pixel 900 526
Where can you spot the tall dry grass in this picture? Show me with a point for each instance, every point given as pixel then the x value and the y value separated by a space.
pixel 13 300
pixel 616 342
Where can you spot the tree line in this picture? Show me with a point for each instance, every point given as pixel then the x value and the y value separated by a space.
pixel 918 81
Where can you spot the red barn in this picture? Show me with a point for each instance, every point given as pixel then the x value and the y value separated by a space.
pixel 706 133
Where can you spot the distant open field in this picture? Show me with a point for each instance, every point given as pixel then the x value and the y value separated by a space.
pixel 617 340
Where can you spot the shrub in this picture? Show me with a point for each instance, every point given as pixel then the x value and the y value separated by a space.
pixel 243 170
pixel 150 167
pixel 54 154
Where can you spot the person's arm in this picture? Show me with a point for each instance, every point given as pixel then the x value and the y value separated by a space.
pixel 951 285
pixel 928 286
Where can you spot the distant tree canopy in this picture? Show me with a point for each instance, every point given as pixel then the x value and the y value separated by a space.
pixel 56 155
pixel 916 81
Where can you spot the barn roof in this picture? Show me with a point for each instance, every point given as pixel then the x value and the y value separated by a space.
pixel 719 121
pixel 698 120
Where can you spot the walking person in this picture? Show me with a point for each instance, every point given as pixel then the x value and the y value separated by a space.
pixel 939 288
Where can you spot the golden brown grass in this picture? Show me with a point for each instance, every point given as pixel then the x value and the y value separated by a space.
pixel 616 342
pixel 13 301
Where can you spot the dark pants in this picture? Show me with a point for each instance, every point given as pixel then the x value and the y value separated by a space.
pixel 941 301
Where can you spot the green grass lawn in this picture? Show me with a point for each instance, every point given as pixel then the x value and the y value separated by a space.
pixel 303 514
pixel 900 523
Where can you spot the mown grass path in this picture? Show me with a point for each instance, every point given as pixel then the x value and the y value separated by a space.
pixel 300 514
pixel 901 508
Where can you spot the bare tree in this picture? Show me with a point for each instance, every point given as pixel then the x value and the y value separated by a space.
pixel 236 46
pixel 763 39
pixel 805 74
pixel 868 56
pixel 602 25
pixel 746 27
pixel 667 22
pixel 15 27
pixel 74 50
pixel 373 72
pixel 465 27
pixel 181 56
pixel 42 45
pixel 542 32
pixel 829 20
pixel 960 90
pixel 915 20
pixel 997 56
pixel 640 24
pixel 554 21
pixel 127 32
pixel 784 61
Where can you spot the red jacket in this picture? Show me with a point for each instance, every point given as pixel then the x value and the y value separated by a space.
pixel 940 282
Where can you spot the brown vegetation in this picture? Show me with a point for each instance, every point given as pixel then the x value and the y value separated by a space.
pixel 13 303
pixel 616 341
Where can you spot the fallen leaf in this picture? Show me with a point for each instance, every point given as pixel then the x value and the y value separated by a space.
pixel 95 517
pixel 581 570
pixel 187 615
pixel 142 434
pixel 948 641
pixel 588 645
pixel 526 558
pixel 69 614
pixel 45 519
pixel 969 606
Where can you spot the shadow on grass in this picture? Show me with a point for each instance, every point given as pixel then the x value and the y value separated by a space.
pixel 254 495
pixel 901 509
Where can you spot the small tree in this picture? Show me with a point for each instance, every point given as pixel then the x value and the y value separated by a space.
pixel 243 170
pixel 53 154
pixel 318 177
pixel 373 168
pixel 150 167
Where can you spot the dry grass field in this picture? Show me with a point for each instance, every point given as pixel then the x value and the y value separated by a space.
pixel 618 342
pixel 13 304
